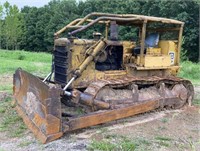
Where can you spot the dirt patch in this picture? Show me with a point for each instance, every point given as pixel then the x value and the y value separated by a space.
pixel 180 129
pixel 28 142
pixel 3 95
pixel 6 80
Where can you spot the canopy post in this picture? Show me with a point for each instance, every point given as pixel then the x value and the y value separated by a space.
pixel 179 43
pixel 143 41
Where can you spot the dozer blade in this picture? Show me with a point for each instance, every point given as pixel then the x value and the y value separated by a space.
pixel 39 106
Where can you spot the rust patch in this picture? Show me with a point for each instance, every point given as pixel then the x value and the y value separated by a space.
pixel 110 115
pixel 53 124
pixel 39 105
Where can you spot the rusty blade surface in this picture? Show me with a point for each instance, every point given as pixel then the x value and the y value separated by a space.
pixel 39 106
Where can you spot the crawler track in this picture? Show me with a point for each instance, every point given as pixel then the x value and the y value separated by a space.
pixel 169 82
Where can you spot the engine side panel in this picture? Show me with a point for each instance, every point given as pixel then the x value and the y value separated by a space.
pixel 120 61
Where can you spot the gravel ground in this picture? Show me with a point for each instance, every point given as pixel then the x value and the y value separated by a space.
pixel 29 143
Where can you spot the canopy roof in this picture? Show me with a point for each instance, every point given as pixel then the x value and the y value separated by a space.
pixel 137 18
pixel 121 19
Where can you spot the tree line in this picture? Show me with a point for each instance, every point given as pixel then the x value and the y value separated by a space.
pixel 32 28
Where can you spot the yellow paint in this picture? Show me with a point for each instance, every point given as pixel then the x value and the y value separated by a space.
pixel 154 51
pixel 174 70
pixel 156 61
pixel 169 47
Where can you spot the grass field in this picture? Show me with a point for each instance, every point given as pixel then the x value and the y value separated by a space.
pixel 36 63
pixel 190 71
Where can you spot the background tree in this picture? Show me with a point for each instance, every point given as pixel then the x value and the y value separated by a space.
pixel 33 28
pixel 1 25
pixel 12 26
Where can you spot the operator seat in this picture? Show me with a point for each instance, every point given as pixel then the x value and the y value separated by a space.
pixel 150 41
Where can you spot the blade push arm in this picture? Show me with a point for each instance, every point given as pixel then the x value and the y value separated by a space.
pixel 101 44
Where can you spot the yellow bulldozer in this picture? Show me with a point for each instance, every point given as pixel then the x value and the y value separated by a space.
pixel 104 78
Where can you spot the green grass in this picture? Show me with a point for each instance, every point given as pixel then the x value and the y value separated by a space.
pixel 25 143
pixel 196 101
pixel 103 145
pixel 27 56
pixel 163 141
pixel 190 71
pixel 36 63
pixel 108 145
pixel 162 138
pixel 119 142
pixel 10 122
pixel 127 145
pixel 116 142
pixel 7 88
pixel 164 120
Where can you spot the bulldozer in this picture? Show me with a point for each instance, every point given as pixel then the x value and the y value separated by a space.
pixel 104 77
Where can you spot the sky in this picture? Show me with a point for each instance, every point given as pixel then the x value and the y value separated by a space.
pixel 22 3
